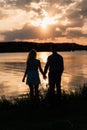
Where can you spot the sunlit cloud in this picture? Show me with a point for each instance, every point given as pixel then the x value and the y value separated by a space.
pixel 14 19
pixel 44 19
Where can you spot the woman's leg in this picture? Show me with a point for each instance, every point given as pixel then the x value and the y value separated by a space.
pixel 31 91
pixel 37 91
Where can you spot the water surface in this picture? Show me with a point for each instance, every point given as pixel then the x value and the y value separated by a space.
pixel 12 66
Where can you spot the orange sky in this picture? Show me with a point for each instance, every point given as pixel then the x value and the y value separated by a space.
pixel 44 20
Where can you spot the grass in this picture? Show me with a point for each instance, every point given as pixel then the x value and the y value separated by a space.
pixel 70 113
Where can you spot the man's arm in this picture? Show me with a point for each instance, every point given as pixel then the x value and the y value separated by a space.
pixel 46 67
pixel 63 65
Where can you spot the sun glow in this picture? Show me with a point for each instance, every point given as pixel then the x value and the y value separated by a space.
pixel 47 20
pixel 45 23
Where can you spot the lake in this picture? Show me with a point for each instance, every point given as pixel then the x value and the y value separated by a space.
pixel 12 67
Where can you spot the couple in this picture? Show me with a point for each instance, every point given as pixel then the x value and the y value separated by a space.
pixel 55 66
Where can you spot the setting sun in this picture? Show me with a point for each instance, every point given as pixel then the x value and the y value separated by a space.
pixel 44 23
pixel 47 20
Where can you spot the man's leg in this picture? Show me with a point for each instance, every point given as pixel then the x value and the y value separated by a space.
pixel 51 89
pixel 58 86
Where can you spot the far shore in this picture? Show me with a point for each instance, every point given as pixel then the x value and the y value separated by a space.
pixel 26 46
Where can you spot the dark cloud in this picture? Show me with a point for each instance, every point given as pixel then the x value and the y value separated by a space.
pixel 62 2
pixel 83 6
pixel 75 33
pixel 22 3
pixel 7 3
pixel 24 33
pixel 21 34
pixel 31 33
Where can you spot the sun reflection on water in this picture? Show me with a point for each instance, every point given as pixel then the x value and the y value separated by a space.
pixel 43 56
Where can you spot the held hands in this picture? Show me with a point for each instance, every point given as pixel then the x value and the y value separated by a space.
pixel 23 80
pixel 44 77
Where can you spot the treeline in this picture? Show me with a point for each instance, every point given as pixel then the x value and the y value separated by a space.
pixel 26 46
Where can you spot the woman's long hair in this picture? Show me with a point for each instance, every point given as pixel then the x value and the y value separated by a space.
pixel 32 55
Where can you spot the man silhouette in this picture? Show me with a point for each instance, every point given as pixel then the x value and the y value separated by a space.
pixel 55 65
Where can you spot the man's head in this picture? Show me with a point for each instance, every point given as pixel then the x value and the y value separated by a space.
pixel 54 48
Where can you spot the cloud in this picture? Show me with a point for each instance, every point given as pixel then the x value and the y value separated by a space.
pixel 25 33
pixel 22 19
pixel 84 8
pixel 30 32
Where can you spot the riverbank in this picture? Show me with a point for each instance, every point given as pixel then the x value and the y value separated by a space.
pixel 70 114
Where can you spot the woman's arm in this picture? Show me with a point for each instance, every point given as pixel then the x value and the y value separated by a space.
pixel 40 68
pixel 26 71
pixel 46 67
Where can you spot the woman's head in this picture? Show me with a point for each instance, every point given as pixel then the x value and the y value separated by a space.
pixel 32 54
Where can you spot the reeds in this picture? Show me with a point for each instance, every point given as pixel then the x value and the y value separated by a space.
pixel 24 100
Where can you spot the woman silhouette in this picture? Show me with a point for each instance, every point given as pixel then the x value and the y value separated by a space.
pixel 32 74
